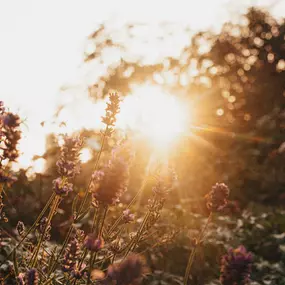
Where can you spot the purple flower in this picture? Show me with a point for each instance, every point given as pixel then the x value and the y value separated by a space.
pixel 77 272
pixel 93 243
pixel 217 197
pixel 68 164
pixel 236 267
pixel 112 181
pixel 128 272
pixel 62 187
pixel 70 256
pixel 112 109
pixel 32 277
pixel 128 217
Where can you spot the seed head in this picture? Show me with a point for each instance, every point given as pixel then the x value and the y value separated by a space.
pixel 20 228
pixel 236 267
pixel 217 197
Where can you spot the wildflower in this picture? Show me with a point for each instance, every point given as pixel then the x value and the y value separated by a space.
pixel 32 277
pixel 127 272
pixel 112 109
pixel 111 182
pixel 21 279
pixel 71 255
pixel 62 187
pixel 236 267
pixel 10 135
pixel 20 228
pixel 68 164
pixel 217 198
pixel 93 243
pixel 77 272
pixel 116 246
pixel 128 217
pixel 42 226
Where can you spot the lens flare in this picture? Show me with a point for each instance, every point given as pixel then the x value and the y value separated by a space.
pixel 159 116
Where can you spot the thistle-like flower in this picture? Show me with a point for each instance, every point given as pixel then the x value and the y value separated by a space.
pixel 32 277
pixel 128 272
pixel 112 109
pixel 70 256
pixel 112 181
pixel 217 197
pixel 236 267
pixel 93 242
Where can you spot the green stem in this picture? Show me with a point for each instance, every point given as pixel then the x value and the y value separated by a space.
pixel 34 257
pixel 34 224
pixel 192 255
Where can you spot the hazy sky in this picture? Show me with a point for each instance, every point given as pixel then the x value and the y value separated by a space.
pixel 42 43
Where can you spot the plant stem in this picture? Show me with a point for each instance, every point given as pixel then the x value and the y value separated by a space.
pixel 192 255
pixel 94 169
pixel 34 258
pixel 34 224
pixel 129 205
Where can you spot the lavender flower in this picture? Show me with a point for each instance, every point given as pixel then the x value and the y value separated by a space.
pixel 62 187
pixel 217 197
pixel 32 277
pixel 70 256
pixel 127 272
pixel 68 164
pixel 112 109
pixel 128 217
pixel 236 267
pixel 111 182
pixel 42 226
pixel 10 135
pixel 93 243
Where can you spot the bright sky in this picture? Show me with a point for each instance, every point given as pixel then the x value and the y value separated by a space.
pixel 42 45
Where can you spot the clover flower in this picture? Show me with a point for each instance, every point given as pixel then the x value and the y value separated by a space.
pixel 70 256
pixel 128 272
pixel 236 267
pixel 112 181
pixel 217 197
pixel 93 242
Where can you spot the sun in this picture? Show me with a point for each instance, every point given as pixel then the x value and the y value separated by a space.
pixel 159 116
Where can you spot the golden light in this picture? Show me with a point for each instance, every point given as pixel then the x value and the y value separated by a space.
pixel 85 155
pixel 159 116
pixel 39 165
